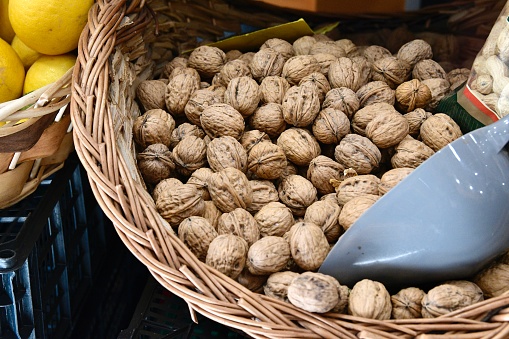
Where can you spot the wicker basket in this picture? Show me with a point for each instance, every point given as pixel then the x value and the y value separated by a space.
pixel 35 148
pixel 115 52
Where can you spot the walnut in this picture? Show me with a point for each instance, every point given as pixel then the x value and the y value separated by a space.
pixel 374 92
pixel 172 64
pixel 320 81
pixel 325 214
pixel 415 119
pixel 273 89
pixel 233 69
pixel 268 118
pixel 241 223
pixel 322 37
pixel 266 160
pixel 493 280
pixel 179 203
pixel 212 213
pixel 163 185
pixel 387 129
pixel 227 253
pixel 266 62
pixel 303 45
pixel 243 94
pixel 346 73
pixel 207 60
pixel 197 233
pixel 415 51
pixel 364 116
pixel 321 171
pixel 190 154
pixel 274 219
pixel 230 189
pixel 411 95
pixel 299 145
pixel 297 67
pixel 349 47
pixel 439 130
pixel 374 52
pixel 370 299
pixel 297 193
pixel 358 152
pixel 226 152
pixel 393 177
pixel 357 185
pixel 153 127
pixel 289 170
pixel 187 71
pixel 313 292
pixel 199 178
pixel 330 126
pixel 324 60
pixel 184 130
pixel 457 77
pixel 233 54
pixel 178 91
pixel 200 99
pixel 268 255
pixel 277 285
pixel 328 47
pixel 439 89
pixel 428 69
pixel 301 104
pixel 222 119
pixel 410 153
pixel 308 245
pixel 406 304
pixel 281 46
pixel 343 99
pixel 264 192
pixel 392 70
pixel 150 93
pixel 247 57
pixel 155 163
pixel 252 282
pixel 449 297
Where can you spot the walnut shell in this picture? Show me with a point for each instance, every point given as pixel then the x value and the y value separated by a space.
pixel 230 189
pixel 164 185
pixel 268 255
pixel 415 51
pixel 274 219
pixel 387 129
pixel 330 126
pixel 277 285
pixel 266 62
pixel 370 299
pixel 200 99
pixel 252 282
pixel 375 92
pixel 358 152
pixel 439 89
pixel 364 116
pixel 327 47
pixel 227 253
pixel 187 71
pixel 392 70
pixel 415 119
pixel 179 203
pixel 172 64
pixel 313 292
pixel 411 95
pixel 308 245
pixel 393 177
pixel 212 213
pixel 226 152
pixel 410 153
pixel 197 233
pixel 406 304
pixel 320 81
pixel 233 69
pixel 325 214
pixel 253 137
pixel 264 192
pixel 268 118
pixel 150 93
pixel 281 46
pixel 243 94
pixel 343 99
pixel 303 45
pixel 207 60
pixel 184 130
pixel 241 223
pixel 457 77
pixel 247 57
pixel 439 130
pixel 297 67
pixel 374 52
pixel 349 47
pixel 155 163
pixel 321 171
pixel 357 185
pixel 233 54
pixel 346 73
pixel 222 119
pixel 428 69
pixel 273 89
pixel 324 60
pixel 297 193
pixel 493 280
pixel 153 127
pixel 449 297
pixel 190 154
pixel 178 91
pixel 199 179
pixel 301 104
pixel 299 145
pixel 266 160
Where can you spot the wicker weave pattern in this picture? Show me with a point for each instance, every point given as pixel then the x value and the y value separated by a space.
pixel 102 111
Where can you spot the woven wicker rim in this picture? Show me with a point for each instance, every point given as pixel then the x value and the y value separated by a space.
pixel 131 209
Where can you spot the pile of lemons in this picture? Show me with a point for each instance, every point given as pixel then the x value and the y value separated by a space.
pixel 37 41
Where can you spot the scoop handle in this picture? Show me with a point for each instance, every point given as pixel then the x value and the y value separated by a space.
pixel 497 134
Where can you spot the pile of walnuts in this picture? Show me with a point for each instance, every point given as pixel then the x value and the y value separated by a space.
pixel 260 160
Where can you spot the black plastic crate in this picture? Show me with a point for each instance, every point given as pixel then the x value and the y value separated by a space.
pixel 51 245
pixel 162 315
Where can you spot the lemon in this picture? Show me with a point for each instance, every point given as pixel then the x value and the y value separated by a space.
pixel 25 53
pixel 49 27
pixel 12 73
pixel 46 70
pixel 6 31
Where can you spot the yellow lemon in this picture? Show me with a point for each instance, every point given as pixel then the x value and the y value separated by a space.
pixel 12 73
pixel 25 53
pixel 6 31
pixel 49 27
pixel 46 70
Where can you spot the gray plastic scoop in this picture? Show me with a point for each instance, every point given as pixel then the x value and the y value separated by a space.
pixel 446 220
